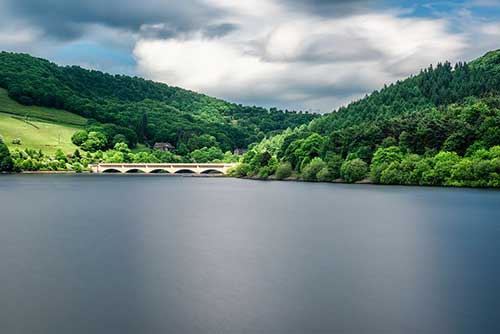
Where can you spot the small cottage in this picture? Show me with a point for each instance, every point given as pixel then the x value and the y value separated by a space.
pixel 240 151
pixel 166 147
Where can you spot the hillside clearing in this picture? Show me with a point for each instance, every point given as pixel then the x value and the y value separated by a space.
pixel 37 134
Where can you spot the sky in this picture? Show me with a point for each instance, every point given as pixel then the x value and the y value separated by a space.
pixel 311 55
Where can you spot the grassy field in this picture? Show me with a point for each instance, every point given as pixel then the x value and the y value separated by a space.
pixel 7 105
pixel 37 134
pixel 38 128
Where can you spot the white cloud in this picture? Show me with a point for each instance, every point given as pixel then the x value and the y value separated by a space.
pixel 294 54
pixel 491 29
pixel 298 60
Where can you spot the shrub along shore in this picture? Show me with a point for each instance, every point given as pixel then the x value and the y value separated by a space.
pixel 389 166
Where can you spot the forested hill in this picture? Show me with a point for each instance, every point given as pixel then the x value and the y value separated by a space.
pixel 173 114
pixel 426 111
pixel 436 86
pixel 439 127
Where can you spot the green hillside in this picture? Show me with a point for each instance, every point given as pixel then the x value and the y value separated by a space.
pixel 440 127
pixel 36 134
pixel 174 115
pixel 37 127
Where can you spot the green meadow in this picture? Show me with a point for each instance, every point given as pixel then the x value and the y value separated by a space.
pixel 37 134
pixel 37 127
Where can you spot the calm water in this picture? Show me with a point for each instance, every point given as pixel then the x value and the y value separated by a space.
pixel 155 254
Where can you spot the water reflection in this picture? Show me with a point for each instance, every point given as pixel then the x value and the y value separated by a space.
pixel 132 254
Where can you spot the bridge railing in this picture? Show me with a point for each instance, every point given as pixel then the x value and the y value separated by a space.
pixel 218 165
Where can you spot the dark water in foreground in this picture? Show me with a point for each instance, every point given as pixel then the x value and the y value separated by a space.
pixel 153 254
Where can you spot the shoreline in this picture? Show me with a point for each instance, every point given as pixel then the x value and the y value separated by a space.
pixel 270 179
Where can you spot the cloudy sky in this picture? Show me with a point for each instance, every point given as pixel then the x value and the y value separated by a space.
pixel 296 54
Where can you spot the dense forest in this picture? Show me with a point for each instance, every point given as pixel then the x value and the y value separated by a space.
pixel 143 111
pixel 440 127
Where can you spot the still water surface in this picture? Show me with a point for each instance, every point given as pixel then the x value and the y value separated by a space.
pixel 154 254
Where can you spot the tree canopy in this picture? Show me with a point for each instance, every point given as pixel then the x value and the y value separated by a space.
pixel 154 112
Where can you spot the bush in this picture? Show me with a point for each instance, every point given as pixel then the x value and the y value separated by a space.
pixel 334 163
pixel 206 154
pixel 59 155
pixel 119 138
pixel 6 163
pixel 16 141
pixel 264 173
pixel 78 168
pixel 354 170
pixel 79 137
pixel 284 171
pixel 325 175
pixel 311 170
pixel 240 170
pixel 382 158
pixel 122 147
pixel 95 141
pixel 392 174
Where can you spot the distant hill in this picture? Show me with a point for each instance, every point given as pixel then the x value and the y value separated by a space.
pixel 174 115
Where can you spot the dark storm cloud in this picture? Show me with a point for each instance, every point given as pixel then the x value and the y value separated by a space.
pixel 66 20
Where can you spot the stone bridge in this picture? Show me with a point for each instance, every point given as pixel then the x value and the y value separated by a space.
pixel 174 168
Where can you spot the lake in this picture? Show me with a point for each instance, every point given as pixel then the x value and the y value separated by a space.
pixel 157 254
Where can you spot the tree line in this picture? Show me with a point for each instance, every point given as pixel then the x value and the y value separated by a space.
pixel 441 127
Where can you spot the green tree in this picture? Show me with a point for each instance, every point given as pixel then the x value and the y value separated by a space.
pixel 240 170
pixel 122 147
pixel 6 163
pixel 142 126
pixel 59 155
pixel 311 170
pixel 77 154
pixel 207 154
pixel 354 170
pixel 205 140
pixel 393 174
pixel 381 160
pixel 284 170
pixel 119 138
pixel 334 163
pixel 95 141
pixel 79 137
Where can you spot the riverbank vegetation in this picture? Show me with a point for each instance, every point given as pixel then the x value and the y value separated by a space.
pixel 441 127
pixel 36 160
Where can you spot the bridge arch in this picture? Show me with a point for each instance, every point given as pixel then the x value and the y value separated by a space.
pixel 185 171
pixel 111 171
pixel 135 171
pixel 212 171
pixel 159 171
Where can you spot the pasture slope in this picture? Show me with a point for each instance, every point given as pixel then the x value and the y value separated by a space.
pixel 37 127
